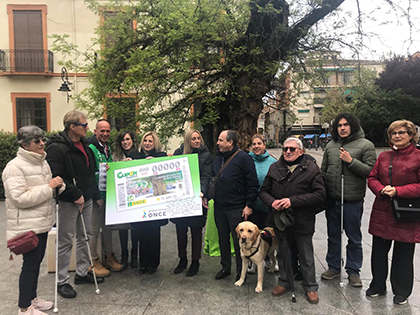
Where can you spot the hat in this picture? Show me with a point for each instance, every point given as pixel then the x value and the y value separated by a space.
pixel 284 219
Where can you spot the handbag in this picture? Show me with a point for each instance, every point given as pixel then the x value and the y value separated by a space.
pixel 23 243
pixel 404 209
pixel 211 189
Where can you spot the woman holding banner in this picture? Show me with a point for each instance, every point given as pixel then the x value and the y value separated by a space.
pixel 149 231
pixel 193 143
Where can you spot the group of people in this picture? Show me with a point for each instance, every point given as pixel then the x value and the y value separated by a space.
pixel 285 194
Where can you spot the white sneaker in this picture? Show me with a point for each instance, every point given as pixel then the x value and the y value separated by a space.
pixel 31 311
pixel 267 264
pixel 41 304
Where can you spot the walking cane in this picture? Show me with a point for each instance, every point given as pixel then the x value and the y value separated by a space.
pixel 97 291
pixel 342 225
pixel 56 250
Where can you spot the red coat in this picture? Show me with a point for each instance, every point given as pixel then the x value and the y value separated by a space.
pixel 406 179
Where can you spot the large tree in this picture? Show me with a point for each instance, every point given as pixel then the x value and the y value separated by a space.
pixel 206 61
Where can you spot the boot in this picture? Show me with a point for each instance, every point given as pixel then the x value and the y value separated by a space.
pixel 181 265
pixel 134 259
pixel 124 259
pixel 193 268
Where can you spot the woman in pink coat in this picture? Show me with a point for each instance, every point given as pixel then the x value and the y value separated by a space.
pixel 384 228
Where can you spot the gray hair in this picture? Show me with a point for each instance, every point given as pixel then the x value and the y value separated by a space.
pixel 27 133
pixel 232 135
pixel 72 117
pixel 297 140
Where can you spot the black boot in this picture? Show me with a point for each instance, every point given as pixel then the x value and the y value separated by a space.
pixel 134 259
pixel 124 259
pixel 193 268
pixel 181 266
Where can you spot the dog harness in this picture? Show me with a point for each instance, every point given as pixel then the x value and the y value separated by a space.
pixel 266 236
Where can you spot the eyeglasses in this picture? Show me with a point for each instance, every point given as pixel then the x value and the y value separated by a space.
pixel 400 133
pixel 38 141
pixel 292 149
pixel 83 125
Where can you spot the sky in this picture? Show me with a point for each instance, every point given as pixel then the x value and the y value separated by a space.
pixel 387 29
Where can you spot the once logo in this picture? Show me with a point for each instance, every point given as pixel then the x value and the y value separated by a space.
pixel 160 214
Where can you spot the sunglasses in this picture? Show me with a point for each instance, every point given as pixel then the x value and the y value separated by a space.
pixel 292 149
pixel 83 125
pixel 38 141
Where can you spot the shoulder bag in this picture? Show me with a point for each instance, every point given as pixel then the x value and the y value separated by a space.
pixel 211 190
pixel 23 243
pixel 404 209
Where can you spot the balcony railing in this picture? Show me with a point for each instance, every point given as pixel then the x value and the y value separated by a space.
pixel 26 61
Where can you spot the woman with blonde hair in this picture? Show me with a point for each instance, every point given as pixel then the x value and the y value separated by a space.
pixel 395 174
pixel 149 231
pixel 193 143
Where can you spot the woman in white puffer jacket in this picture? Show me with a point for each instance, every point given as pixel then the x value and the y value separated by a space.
pixel 29 189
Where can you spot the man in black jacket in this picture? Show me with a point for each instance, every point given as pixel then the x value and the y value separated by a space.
pixel 71 158
pixel 294 182
pixel 236 191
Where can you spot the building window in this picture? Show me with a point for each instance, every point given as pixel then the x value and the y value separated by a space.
pixel 347 77
pixel 31 109
pixel 27 39
pixel 121 113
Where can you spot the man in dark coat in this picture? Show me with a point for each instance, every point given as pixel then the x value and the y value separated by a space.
pixel 236 191
pixel 352 156
pixel 70 157
pixel 294 182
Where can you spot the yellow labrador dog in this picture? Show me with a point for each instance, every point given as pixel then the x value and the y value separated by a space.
pixel 254 248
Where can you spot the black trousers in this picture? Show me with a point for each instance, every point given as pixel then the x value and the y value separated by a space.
pixel 28 280
pixel 226 222
pixel 134 242
pixel 196 241
pixel 149 241
pixel 259 218
pixel 402 270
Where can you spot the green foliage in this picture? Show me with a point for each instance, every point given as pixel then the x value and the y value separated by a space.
pixel 218 58
pixel 8 149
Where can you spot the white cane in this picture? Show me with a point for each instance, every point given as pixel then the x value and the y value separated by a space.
pixel 97 291
pixel 56 251
pixel 342 228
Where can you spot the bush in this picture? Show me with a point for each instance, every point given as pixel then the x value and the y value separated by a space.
pixel 8 149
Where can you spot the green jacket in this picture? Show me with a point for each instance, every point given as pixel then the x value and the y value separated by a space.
pixel 100 157
pixel 355 173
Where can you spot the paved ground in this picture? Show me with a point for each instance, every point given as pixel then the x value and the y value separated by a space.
pixel 127 292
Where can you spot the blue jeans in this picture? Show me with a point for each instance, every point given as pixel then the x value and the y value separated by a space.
pixel 353 211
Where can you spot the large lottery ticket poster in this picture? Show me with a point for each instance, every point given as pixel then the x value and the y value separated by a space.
pixel 159 188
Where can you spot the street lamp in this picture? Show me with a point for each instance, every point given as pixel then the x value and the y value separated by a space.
pixel 64 88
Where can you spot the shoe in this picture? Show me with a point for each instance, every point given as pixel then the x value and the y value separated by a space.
pixel 124 260
pixel 193 268
pixel 142 270
pixel 41 304
pixel 355 281
pixel 31 310
pixel 183 261
pixel 222 274
pixel 400 300
pixel 312 297
pixel 151 270
pixel 371 293
pixel 88 279
pixel 100 270
pixel 112 263
pixel 252 268
pixel 134 260
pixel 278 290
pixel 66 291
pixel 330 274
